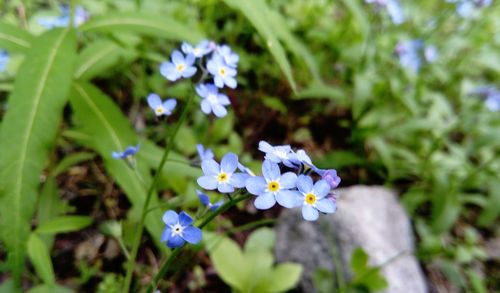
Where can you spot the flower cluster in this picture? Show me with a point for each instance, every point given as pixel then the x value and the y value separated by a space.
pixel 412 53
pixel 491 96
pixel 467 8
pixel 4 59
pixel 393 9
pixel 217 62
pixel 81 16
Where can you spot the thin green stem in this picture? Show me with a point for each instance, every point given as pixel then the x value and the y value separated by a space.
pixel 152 187
pixel 166 265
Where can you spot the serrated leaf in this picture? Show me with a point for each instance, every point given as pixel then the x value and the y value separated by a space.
pixel 64 224
pixel 14 39
pixel 257 12
pixel 229 262
pixel 142 23
pixel 108 130
pixel 28 132
pixel 98 57
pixel 40 258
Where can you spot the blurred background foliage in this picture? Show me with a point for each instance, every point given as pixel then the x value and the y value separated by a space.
pixel 323 75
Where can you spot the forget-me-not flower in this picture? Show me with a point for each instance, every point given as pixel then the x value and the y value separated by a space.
pixel 491 97
pixel 330 176
pixel 222 177
pixel 223 74
pixel 273 187
pixel 81 16
pixel 393 9
pixel 314 197
pixel 179 66
pixel 159 107
pixel 230 58
pixel 212 101
pixel 4 59
pixel 412 53
pixel 204 154
pixel 205 201
pixel 278 154
pixel 466 8
pixel 179 230
pixel 129 152
pixel 200 50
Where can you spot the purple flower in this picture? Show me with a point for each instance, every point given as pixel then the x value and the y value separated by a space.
pixel 180 66
pixel 314 197
pixel 129 152
pixel 222 177
pixel 203 48
pixel 205 201
pixel 179 229
pixel 212 100
pixel 330 176
pixel 223 74
pixel 161 108
pixel 273 187
pixel 204 154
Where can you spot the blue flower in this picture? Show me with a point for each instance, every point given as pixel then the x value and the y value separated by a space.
pixel 278 154
pixel 179 67
pixel 206 201
pixel 222 177
pixel 230 58
pixel 300 157
pixel 129 152
pixel 491 95
pixel 204 154
pixel 315 198
pixel 4 59
pixel 409 54
pixel 202 49
pixel 393 9
pixel 159 107
pixel 273 187
pixel 81 16
pixel 179 230
pixel 466 8
pixel 212 100
pixel 223 74
pixel 330 176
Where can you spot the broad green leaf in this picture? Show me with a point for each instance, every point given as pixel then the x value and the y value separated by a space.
pixel 108 130
pixel 282 278
pixel 257 12
pixel 141 23
pixel 40 258
pixel 229 262
pixel 359 261
pixel 64 224
pixel 98 57
pixel 27 133
pixel 259 265
pixel 14 39
pixel 7 286
pixel 261 239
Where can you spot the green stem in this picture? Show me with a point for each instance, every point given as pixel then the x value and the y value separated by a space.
pixel 137 239
pixel 166 265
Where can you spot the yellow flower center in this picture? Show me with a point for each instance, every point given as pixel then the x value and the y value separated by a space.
pixel 310 198
pixel 222 71
pixel 159 110
pixel 222 177
pixel 180 67
pixel 273 186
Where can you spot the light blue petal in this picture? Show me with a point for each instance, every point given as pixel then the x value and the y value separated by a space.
pixel 304 184
pixel 186 48
pixel 225 188
pixel 270 170
pixel 170 217
pixel 223 100
pixel 207 182
pixel 229 163
pixel 175 241
pixel 230 82
pixel 188 72
pixel 154 101
pixel 217 205
pixel 321 188
pixel 288 180
pixel 326 205
pixel 192 235
pixel 309 213
pixel 218 81
pixel 185 219
pixel 265 147
pixel 206 107
pixel 265 201
pixel 203 198
pixel 166 69
pixel 273 158
pixel 212 66
pixel 190 60
pixel 166 234
pixel 117 156
pixel 169 105
pixel 201 90
pixel 177 57
pixel 256 185
pixel 289 198
pixel 238 179
pixel 219 110
pixel 210 167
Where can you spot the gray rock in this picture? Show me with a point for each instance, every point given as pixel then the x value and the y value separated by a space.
pixel 367 217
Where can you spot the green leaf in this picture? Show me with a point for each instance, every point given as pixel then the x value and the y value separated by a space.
pixel 282 278
pixel 261 239
pixel 64 224
pixel 98 57
pixel 71 160
pixel 28 132
pixel 141 23
pixel 14 39
pixel 359 261
pixel 108 130
pixel 40 258
pixel 257 12
pixel 49 288
pixel 50 206
pixel 492 210
pixel 323 91
pixel 229 262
